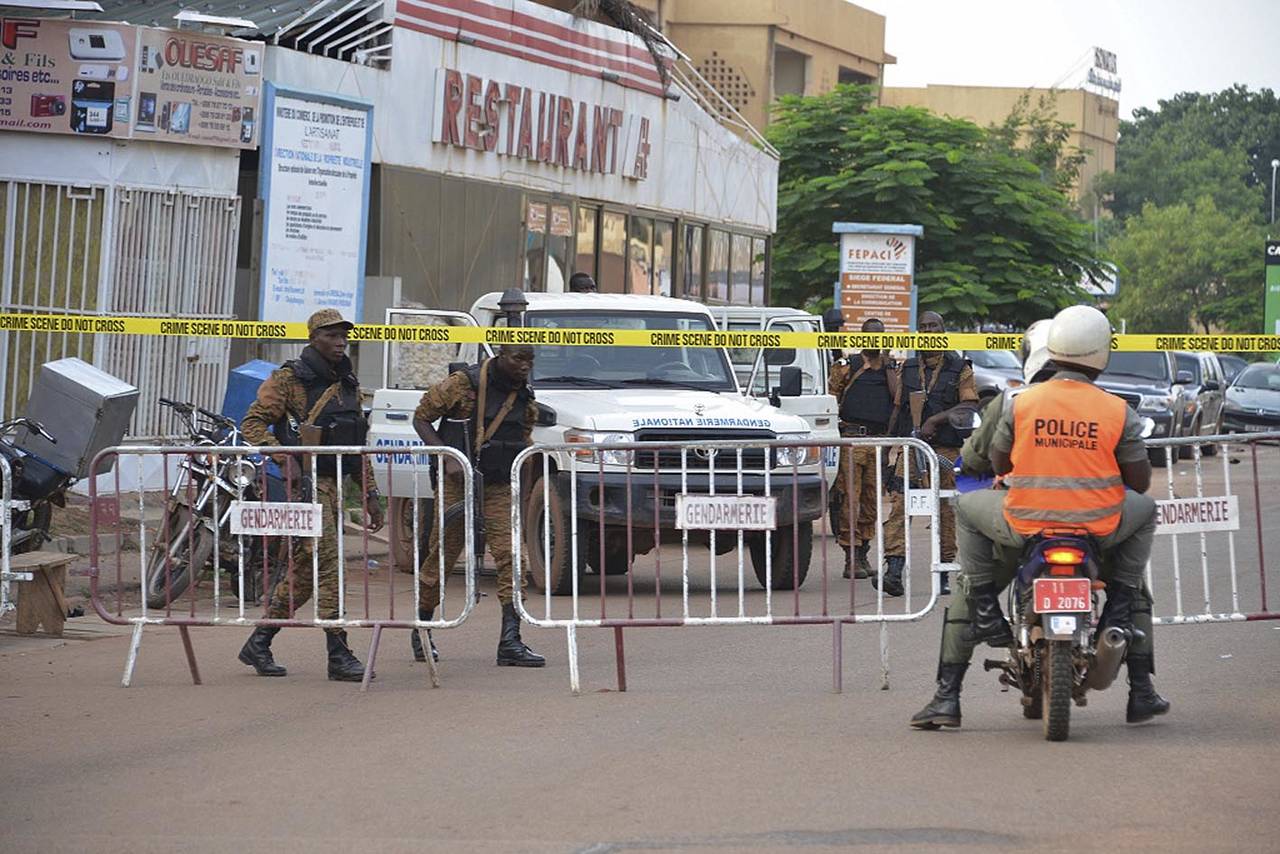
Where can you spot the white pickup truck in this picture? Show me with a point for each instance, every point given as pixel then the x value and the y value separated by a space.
pixel 617 394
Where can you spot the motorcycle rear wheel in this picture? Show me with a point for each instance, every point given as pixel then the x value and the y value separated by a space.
pixel 1058 676
pixel 187 549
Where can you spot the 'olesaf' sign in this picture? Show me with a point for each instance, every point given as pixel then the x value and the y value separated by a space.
pixel 1197 515
pixel 276 518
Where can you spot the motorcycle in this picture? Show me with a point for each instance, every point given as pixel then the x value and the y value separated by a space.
pixel 198 511
pixel 38 486
pixel 1060 649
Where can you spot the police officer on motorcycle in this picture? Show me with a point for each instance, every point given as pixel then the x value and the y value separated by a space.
pixel 1067 450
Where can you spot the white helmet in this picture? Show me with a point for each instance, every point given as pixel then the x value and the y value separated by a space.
pixel 1080 336
pixel 1035 348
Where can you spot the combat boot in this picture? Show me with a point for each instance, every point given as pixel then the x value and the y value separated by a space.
pixel 988 622
pixel 415 638
pixel 892 576
pixel 855 562
pixel 511 650
pixel 944 708
pixel 256 652
pixel 1144 702
pixel 343 665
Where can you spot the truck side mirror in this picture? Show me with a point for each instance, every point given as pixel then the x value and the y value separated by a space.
pixel 546 415
pixel 790 384
pixel 454 367
pixel 1184 378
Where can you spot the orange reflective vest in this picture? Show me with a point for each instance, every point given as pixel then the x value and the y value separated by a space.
pixel 1065 473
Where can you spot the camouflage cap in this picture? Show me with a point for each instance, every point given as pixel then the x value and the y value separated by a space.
pixel 326 317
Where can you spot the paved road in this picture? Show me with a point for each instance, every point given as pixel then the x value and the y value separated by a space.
pixel 728 739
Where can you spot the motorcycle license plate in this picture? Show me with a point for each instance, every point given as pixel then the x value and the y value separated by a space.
pixel 1061 595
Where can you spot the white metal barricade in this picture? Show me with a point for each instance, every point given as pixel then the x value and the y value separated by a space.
pixel 1203 504
pixel 595 507
pixel 6 538
pixel 225 520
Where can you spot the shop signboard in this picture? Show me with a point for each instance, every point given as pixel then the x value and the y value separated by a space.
pixel 1271 303
pixel 877 274
pixel 197 88
pixel 66 76
pixel 316 161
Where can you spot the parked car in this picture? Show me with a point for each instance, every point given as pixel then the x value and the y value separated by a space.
pixel 994 371
pixel 1231 367
pixel 1152 385
pixel 1202 411
pixel 1253 400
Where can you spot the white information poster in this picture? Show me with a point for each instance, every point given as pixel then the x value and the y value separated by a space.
pixel 316 153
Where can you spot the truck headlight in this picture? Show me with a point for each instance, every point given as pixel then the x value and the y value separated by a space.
pixel 610 458
pixel 1154 403
pixel 796 456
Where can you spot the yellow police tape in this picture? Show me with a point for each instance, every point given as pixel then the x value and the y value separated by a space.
pixel 495 335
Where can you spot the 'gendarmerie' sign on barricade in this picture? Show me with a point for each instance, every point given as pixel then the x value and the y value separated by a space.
pixel 276 518
pixel 1197 515
pixel 726 512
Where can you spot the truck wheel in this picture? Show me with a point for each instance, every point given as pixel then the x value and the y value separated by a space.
pixel 400 518
pixel 1058 678
pixel 789 568
pixel 1185 452
pixel 1158 458
pixel 554 574
pixel 616 559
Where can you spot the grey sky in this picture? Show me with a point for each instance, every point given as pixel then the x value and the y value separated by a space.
pixel 1162 46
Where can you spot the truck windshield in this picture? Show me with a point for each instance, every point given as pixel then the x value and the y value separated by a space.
pixel 807 360
pixel 1147 366
pixel 585 365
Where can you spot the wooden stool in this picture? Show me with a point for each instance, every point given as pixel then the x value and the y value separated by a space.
pixel 40 600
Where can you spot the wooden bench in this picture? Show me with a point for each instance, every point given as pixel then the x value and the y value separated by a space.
pixel 41 600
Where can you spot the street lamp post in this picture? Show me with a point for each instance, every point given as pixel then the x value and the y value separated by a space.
pixel 1274 164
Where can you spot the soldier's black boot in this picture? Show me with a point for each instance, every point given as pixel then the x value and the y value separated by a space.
pixel 343 665
pixel 944 708
pixel 415 638
pixel 256 652
pixel 987 622
pixel 848 562
pixel 1144 702
pixel 892 576
pixel 511 650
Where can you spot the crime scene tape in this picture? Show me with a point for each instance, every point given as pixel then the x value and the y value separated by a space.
pixel 541 335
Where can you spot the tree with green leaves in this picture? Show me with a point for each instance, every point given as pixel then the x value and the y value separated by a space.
pixel 1189 267
pixel 1000 242
pixel 1194 145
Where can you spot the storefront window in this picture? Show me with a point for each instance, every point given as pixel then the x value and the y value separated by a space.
pixel 740 271
pixel 535 247
pixel 758 247
pixel 585 262
pixel 640 256
pixel 663 257
pixel 691 271
pixel 559 242
pixel 613 253
pixel 718 267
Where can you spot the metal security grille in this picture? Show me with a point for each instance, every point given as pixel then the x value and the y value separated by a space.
pixel 52 240
pixel 173 254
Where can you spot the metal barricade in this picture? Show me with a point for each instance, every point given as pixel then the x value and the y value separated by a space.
pixel 226 526
pixel 1201 504
pixel 6 538
pixel 596 507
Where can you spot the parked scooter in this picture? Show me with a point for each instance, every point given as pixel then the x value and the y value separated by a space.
pixel 198 510
pixel 37 486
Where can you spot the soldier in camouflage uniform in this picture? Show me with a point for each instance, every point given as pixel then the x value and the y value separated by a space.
pixel 315 395
pixel 865 388
pixel 946 381
pixel 491 440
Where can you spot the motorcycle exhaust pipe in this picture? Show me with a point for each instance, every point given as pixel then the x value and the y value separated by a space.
pixel 1108 657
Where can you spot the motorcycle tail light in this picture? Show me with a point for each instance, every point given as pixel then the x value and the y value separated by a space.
pixel 1063 556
